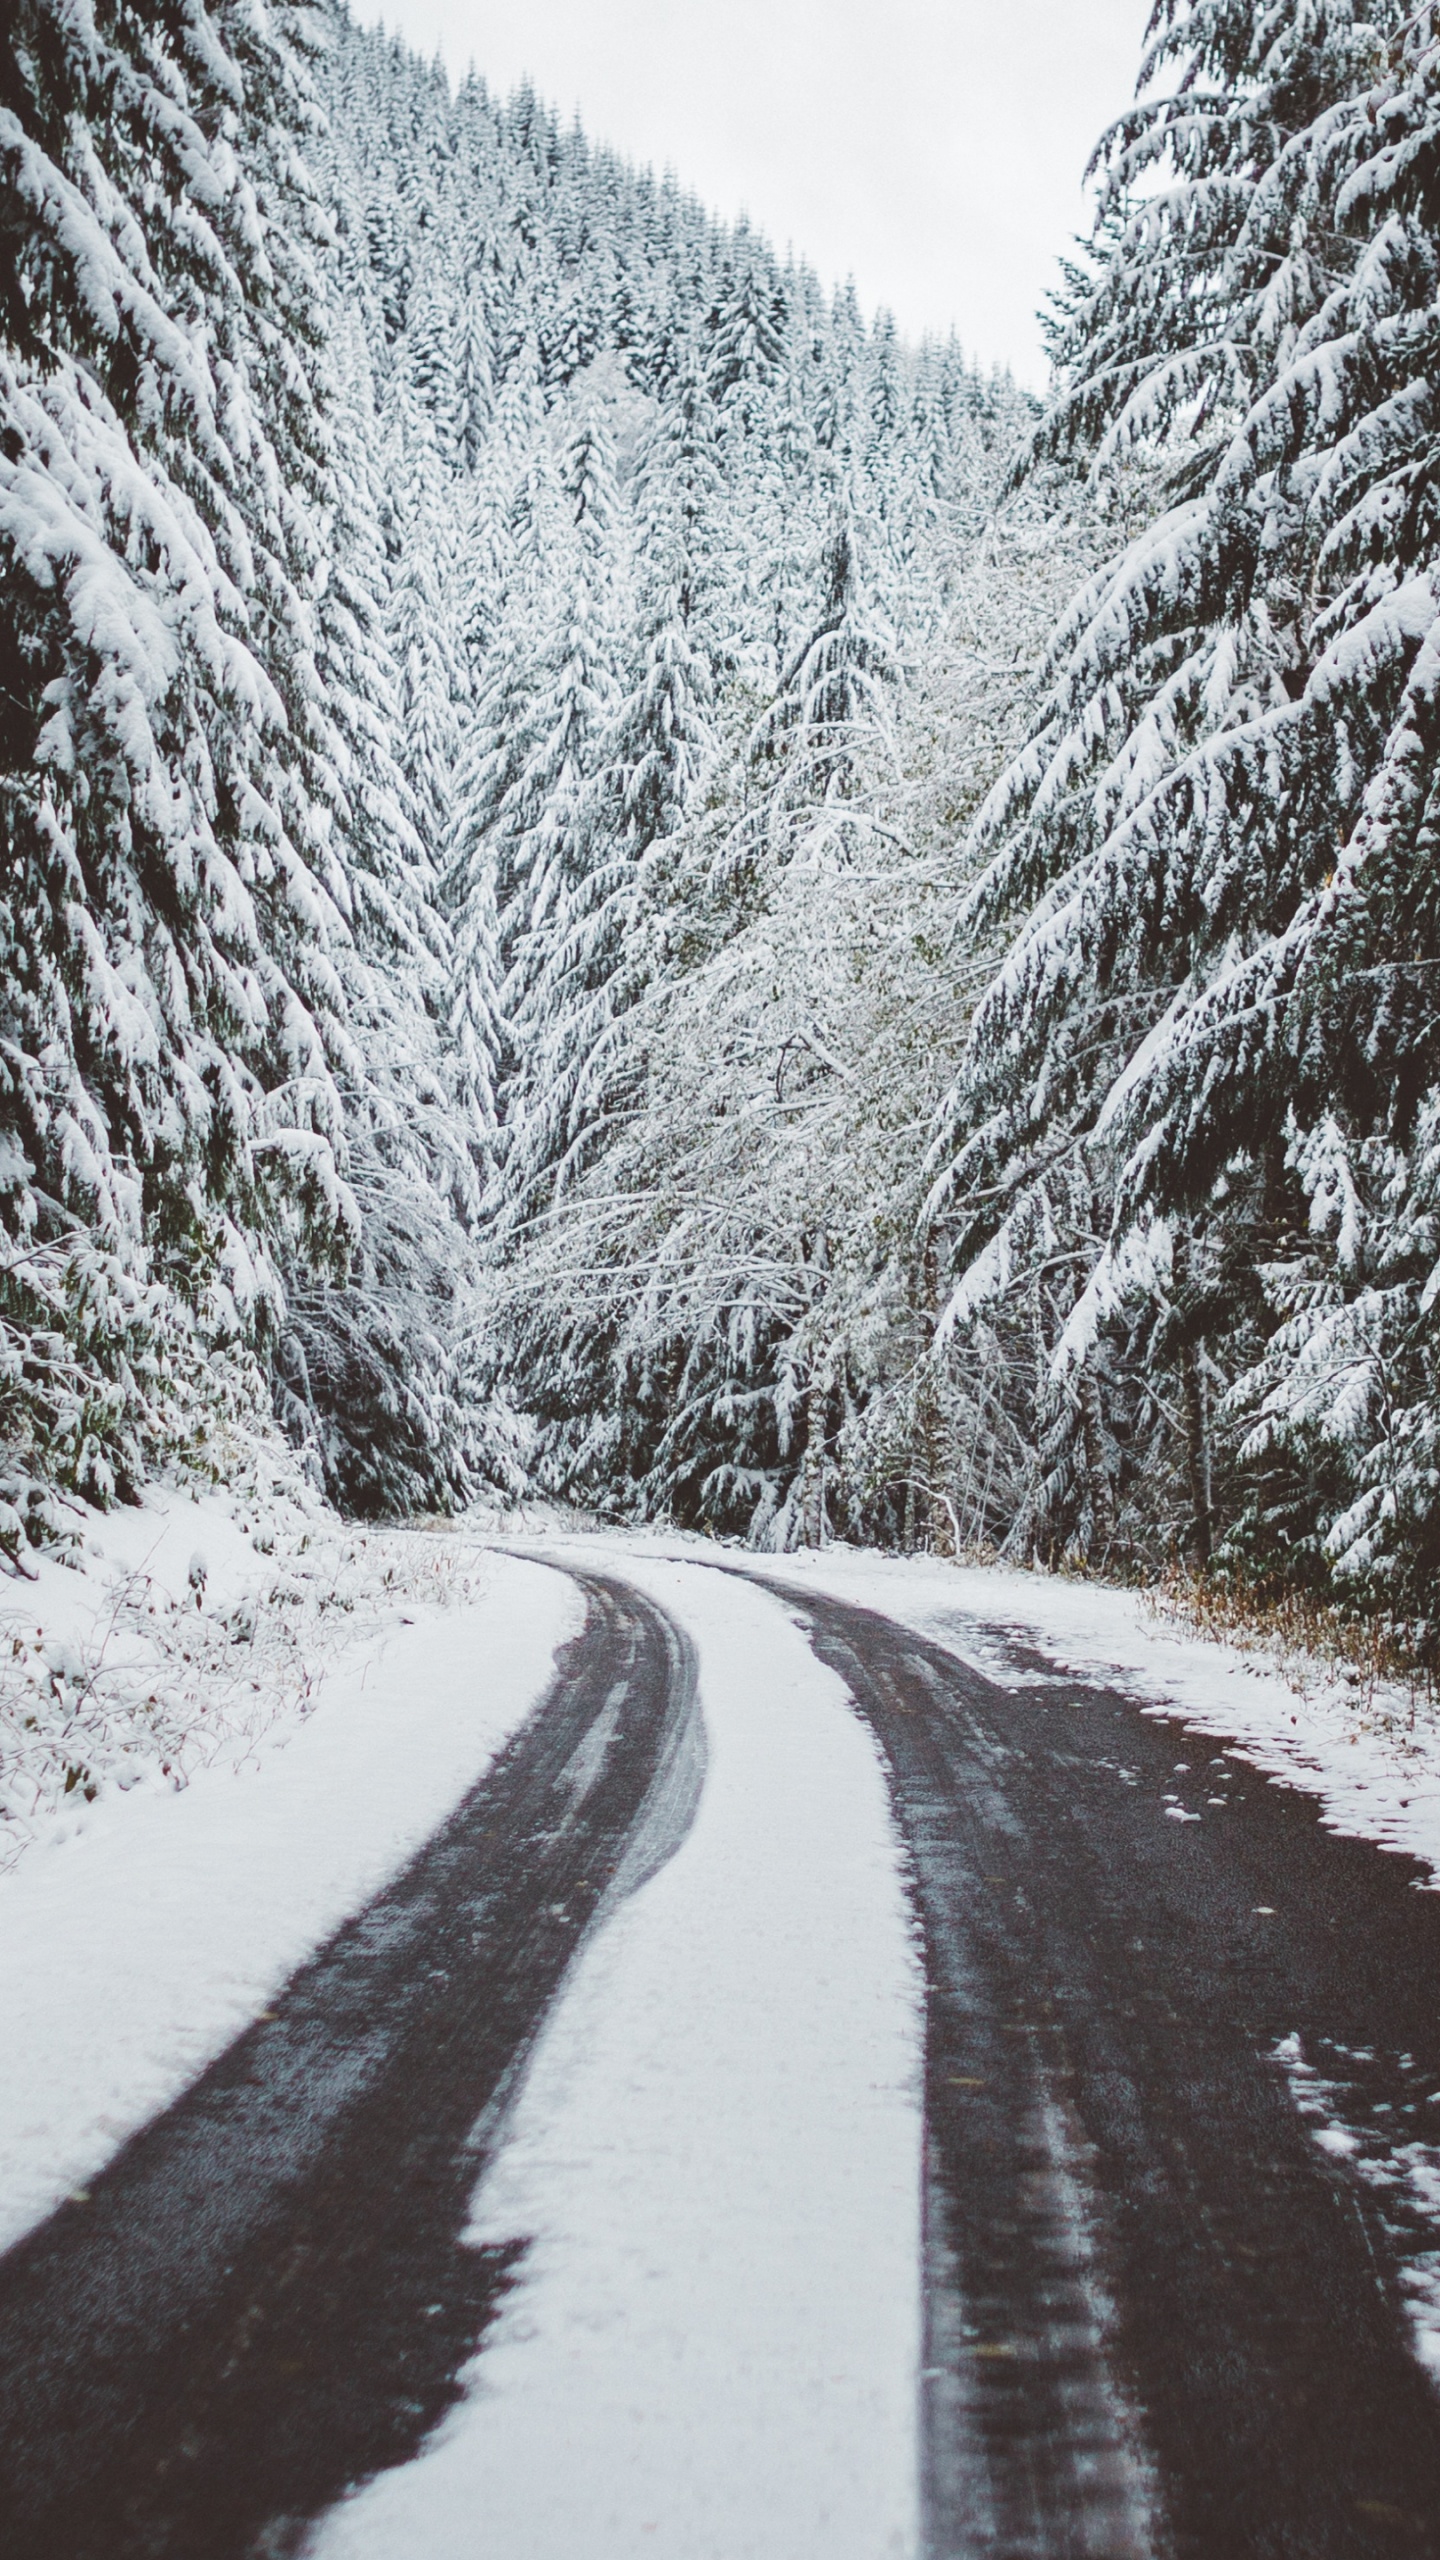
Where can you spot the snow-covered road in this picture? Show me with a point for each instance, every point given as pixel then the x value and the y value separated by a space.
pixel 713 2350
pixel 714 2163
pixel 132 1952
pixel 986 2116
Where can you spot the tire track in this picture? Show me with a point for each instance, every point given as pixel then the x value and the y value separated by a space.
pixel 266 2296
pixel 1160 2318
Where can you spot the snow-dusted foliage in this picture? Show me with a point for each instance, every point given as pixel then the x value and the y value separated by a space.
pixel 204 857
pixel 730 1315
pixel 1202 1077
pixel 565 923
pixel 458 599
pixel 675 541
pixel 167 1106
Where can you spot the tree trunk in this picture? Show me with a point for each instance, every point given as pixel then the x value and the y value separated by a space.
pixel 1197 1450
pixel 933 1440
pixel 1197 1419
pixel 812 1502
pixel 1097 1480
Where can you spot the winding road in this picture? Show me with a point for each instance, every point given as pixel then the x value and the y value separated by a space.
pixel 1180 2045
pixel 1162 2317
pixel 299 2212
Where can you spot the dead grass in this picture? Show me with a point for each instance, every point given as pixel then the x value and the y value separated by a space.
pixel 1308 1640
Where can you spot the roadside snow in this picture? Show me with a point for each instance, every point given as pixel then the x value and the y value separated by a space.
pixel 1403 2173
pixel 175 1632
pixel 713 2349
pixel 136 1942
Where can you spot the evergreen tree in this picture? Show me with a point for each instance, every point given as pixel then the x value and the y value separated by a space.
pixel 437 673
pixel 573 690
pixel 1221 826
pixel 475 383
pixel 370 1367
pixel 747 326
pixel 170 900
pixel 836 684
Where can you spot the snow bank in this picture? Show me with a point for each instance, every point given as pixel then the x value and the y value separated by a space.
pixel 136 1942
pixel 174 1633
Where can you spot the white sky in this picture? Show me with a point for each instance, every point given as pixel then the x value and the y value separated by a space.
pixel 933 149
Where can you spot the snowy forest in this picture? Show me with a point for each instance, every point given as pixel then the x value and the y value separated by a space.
pixel 621 888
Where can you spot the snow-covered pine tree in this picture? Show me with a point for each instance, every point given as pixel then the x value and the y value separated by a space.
pixel 747 326
pixel 556 940
pixel 168 1104
pixel 836 685
pixel 370 1368
pixel 676 500
pixel 1219 827
pixel 423 607
pixel 474 380
pixel 606 956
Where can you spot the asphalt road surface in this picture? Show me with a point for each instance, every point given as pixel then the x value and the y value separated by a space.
pixel 266 2295
pixel 1162 2319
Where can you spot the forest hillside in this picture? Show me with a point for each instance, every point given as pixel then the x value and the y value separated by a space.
pixel 619 886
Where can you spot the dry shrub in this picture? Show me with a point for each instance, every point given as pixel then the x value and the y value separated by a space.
pixel 1386 1662
pixel 161 1685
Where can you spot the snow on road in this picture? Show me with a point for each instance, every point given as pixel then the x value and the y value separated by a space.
pixel 132 1952
pixel 713 2349
pixel 715 2154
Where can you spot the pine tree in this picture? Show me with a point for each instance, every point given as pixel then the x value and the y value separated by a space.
pixel 475 381
pixel 422 606
pixel 574 685
pixel 836 684
pixel 1220 828
pixel 369 1368
pixel 170 1010
pixel 747 326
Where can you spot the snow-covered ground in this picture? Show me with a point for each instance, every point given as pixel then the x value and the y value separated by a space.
pixel 172 1635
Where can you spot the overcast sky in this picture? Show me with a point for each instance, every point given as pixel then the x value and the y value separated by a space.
pixel 933 149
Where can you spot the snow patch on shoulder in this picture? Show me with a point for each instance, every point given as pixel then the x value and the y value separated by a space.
pixel 178 1631
pixel 1380 2138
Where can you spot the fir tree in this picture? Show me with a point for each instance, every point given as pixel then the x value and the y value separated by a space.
pixel 170 1003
